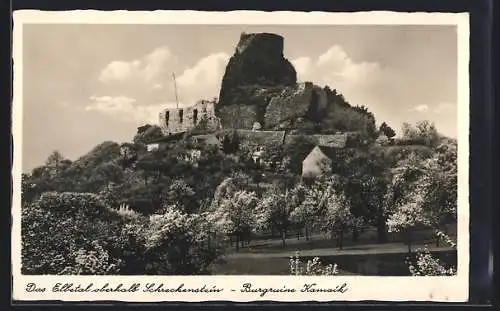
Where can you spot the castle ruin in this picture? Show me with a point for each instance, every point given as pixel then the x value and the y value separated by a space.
pixel 177 120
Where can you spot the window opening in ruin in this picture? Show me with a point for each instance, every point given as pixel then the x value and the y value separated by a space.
pixel 313 112
pixel 195 116
pixel 167 117
pixel 181 114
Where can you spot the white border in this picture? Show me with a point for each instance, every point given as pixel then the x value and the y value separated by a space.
pixel 451 289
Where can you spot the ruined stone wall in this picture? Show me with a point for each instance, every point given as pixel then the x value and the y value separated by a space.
pixel 261 138
pixel 184 119
pixel 238 116
pixel 333 140
pixel 291 103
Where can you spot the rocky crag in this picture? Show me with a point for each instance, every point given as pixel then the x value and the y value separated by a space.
pixel 260 85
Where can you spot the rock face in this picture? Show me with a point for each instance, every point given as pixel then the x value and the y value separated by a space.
pixel 260 85
pixel 258 60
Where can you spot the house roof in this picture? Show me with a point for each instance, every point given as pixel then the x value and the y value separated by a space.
pixel 314 163
pixel 319 153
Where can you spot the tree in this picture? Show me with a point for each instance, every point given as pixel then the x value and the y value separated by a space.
pixel 235 214
pixel 423 133
pixel 231 142
pixel 311 203
pixel 147 133
pixel 68 233
pixel 336 217
pixel 366 182
pixel 387 130
pixel 295 151
pixel 174 243
pixel 423 194
pixel 181 195
pixel 275 209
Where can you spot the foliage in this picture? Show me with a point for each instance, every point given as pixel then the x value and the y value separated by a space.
pixel 425 264
pixel 174 244
pixel 121 209
pixel 234 214
pixel 424 133
pixel 231 142
pixel 336 217
pixel 275 209
pixel 424 192
pixel 311 268
pixel 365 186
pixel 296 150
pixel 307 211
pixel 387 130
pixel 68 233
pixel 345 118
pixel 147 133
pixel 181 194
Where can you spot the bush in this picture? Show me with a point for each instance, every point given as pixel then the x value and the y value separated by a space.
pixel 68 233
pixel 176 244
pixel 425 264
pixel 76 233
pixel 311 267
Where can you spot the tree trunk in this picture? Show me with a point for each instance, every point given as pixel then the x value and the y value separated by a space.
pixel 237 242
pixel 409 239
pixel 283 237
pixel 381 230
pixel 341 239
pixel 307 233
pixel 355 234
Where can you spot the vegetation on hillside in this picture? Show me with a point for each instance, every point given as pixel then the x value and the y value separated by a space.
pixel 122 210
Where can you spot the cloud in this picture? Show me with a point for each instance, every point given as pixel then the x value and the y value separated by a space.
pixel 146 69
pixel 149 78
pixel 421 108
pixel 361 82
pixel 126 109
pixel 204 78
pixel 146 85
pixel 302 65
pixel 335 67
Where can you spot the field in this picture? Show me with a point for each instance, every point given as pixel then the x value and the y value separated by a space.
pixel 267 256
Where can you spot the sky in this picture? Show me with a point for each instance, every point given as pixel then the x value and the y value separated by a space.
pixel 86 83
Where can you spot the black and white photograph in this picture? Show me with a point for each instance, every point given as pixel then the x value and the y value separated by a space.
pixel 241 150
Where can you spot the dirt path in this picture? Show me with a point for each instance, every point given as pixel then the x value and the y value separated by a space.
pixel 367 249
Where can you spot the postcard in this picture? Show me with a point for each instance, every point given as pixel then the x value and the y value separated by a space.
pixel 240 156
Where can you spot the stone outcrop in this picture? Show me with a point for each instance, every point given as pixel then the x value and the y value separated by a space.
pixel 260 85
pixel 257 61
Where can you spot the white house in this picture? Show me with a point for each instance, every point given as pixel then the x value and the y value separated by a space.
pixel 317 162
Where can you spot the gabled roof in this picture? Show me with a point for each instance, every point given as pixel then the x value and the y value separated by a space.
pixel 316 154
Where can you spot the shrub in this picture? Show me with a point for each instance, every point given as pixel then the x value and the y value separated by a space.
pixel 425 264
pixel 311 267
pixel 176 244
pixel 67 233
